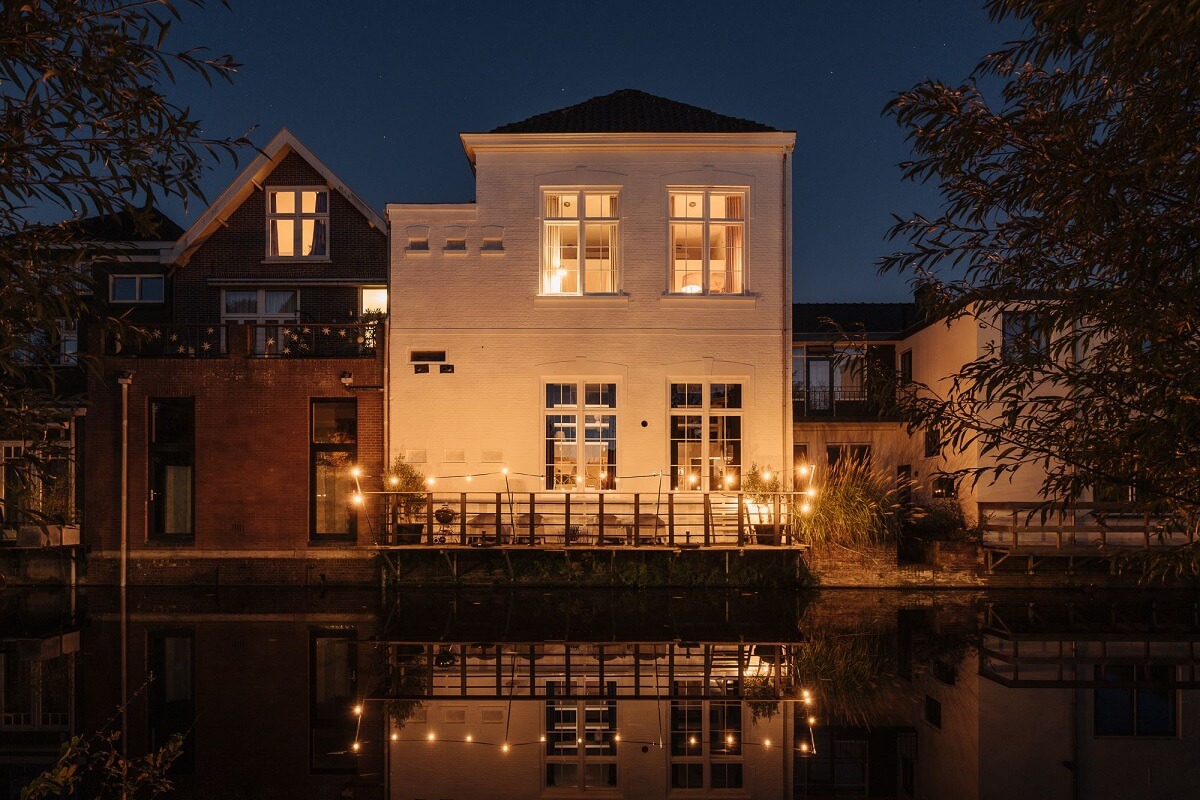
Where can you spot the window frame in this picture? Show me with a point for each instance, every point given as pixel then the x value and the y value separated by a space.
pixel 599 745
pixel 580 411
pixel 297 217
pixel 706 221
pixel 314 449
pixel 139 279
pixel 581 223
pixel 680 481
pixel 702 752
pixel 156 450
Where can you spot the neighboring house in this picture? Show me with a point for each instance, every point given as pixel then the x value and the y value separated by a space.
pixel 254 390
pixel 611 312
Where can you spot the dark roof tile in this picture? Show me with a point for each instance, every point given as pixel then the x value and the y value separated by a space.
pixel 877 320
pixel 632 111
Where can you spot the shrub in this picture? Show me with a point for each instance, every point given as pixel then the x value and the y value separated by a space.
pixel 855 506
pixel 937 521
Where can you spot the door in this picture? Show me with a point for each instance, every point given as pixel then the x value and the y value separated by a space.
pixel 171 495
pixel 820 384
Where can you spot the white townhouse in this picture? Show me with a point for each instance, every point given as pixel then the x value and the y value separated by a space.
pixel 614 310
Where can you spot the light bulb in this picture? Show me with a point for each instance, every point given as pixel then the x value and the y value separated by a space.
pixel 603 474
pixel 691 740
pixel 616 737
pixel 579 479
pixel 804 747
pixel 356 498
pixel 728 480
pixel 431 736
pixel 766 742
pixel 803 470
pixel 542 738
pixel 728 740
pixel 504 470
pixel 431 481
pixel 767 475
pixel 468 479
pixel 356 747
pixel 358 711
pixel 469 738
pixel 504 748
pixel 805 508
pixel 355 471
pixel 692 479
pixel 812 720
pixel 394 480
pixel 395 737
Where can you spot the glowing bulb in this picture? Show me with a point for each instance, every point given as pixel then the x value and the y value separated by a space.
pixel 355 471
pixel 468 479
pixel 579 741
pixel 802 469
pixel 692 479
pixel 766 475
pixel 616 737
pixel 394 480
pixel 728 740
pixel 470 738
pixel 811 493
pixel 691 740
pixel 603 474
pixel 358 711
pixel 804 747
pixel 766 742
pixel 504 470
pixel 812 720
pixel 808 701
pixel 807 694
pixel 431 481
pixel 579 479
pixel 395 737
pixel 728 480
pixel 431 736
pixel 356 747
pixel 805 508
pixel 504 748
pixel 542 738
pixel 356 498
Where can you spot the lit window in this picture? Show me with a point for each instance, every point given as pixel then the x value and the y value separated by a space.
pixel 136 288
pixel 266 310
pixel 944 487
pixel 581 435
pixel 374 301
pixel 708 229
pixel 706 436
pixel 334 452
pixel 568 227
pixel 298 223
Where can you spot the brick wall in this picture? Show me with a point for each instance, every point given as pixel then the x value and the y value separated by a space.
pixel 252 446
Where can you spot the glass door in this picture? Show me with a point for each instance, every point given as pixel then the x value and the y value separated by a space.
pixel 820 384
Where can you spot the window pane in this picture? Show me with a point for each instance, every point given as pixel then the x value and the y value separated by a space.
pixel 562 259
pixel 313 239
pixel 600 205
pixel 599 266
pixel 152 289
pixel 724 451
pixel 335 421
pixel 600 395
pixel 726 205
pixel 283 237
pixel 561 451
pixel 687 395
pixel 686 458
pixel 241 303
pixel 312 202
pixel 283 202
pixel 726 395
pixel 600 451
pixel 1113 708
pixel 124 290
pixel 172 421
pixel 332 486
pixel 687 258
pixel 725 259
pixel 280 303
pixel 374 301
pixel 561 395
pixel 176 484
pixel 687 205
pixel 562 206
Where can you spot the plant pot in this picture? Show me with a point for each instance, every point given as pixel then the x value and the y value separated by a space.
pixel 409 532
pixel 765 534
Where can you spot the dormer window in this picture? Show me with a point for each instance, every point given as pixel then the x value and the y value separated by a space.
pixel 298 223
pixel 573 219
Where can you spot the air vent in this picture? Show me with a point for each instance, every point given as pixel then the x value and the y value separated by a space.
pixel 455 456
pixel 492 716
pixel 427 356
pixel 415 456
pixel 446 369
pixel 456 715
pixel 492 456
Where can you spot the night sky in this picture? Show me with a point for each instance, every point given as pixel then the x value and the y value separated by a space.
pixel 381 96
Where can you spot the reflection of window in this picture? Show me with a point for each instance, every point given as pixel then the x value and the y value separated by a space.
pixel 588 460
pixel 267 310
pixel 581 748
pixel 172 460
pixel 574 220
pixel 332 678
pixel 706 435
pixel 334 449
pixel 172 701
pixel 136 288
pixel 707 231
pixel 298 223
pixel 1141 703
pixel 836 767
pixel 706 741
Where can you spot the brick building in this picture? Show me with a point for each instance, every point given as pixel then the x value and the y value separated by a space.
pixel 250 398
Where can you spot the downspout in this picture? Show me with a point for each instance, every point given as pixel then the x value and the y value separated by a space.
pixel 786 279
pixel 125 379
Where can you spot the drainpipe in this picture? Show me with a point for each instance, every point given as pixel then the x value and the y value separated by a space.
pixel 125 379
pixel 787 321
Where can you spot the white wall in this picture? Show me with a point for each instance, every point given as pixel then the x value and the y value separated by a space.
pixel 505 341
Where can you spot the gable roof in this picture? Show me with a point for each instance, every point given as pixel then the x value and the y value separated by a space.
pixel 879 321
pixel 633 111
pixel 126 226
pixel 243 185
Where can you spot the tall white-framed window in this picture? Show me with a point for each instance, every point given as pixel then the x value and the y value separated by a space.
pixel 297 222
pixel 579 253
pixel 706 435
pixel 581 435
pixel 706 739
pixel 266 310
pixel 708 241
pixel 581 743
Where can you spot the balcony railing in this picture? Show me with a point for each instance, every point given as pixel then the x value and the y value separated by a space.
pixel 317 340
pixel 831 401
pixel 558 520
pixel 1094 526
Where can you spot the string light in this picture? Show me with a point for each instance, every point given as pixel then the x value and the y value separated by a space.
pixel 616 737
pixel 394 480
pixel 766 742
pixel 504 748
pixel 470 738
pixel 766 475
pixel 431 736
pixel 805 508
pixel 355 471
pixel 504 470
pixel 542 738
pixel 431 481
pixel 357 498
pixel 812 720
pixel 356 747
pixel 804 747
pixel 395 736
pixel 358 711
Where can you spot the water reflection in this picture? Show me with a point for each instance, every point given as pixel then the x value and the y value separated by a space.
pixel 639 694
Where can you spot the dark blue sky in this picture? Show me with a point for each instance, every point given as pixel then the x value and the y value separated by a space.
pixel 381 96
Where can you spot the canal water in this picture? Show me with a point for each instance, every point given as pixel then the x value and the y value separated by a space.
pixel 347 694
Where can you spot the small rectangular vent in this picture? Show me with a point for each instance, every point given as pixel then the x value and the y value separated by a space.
pixel 415 456
pixel 421 369
pixel 492 716
pixel 446 369
pixel 455 456
pixel 456 715
pixel 427 356
pixel 492 456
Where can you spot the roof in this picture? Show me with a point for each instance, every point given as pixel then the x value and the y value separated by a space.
pixel 142 225
pixel 243 185
pixel 633 111
pixel 877 320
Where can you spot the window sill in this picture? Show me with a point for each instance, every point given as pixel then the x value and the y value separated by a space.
pixel 594 300
pixel 492 252
pixel 296 260
pixel 454 253
pixel 416 253
pixel 713 300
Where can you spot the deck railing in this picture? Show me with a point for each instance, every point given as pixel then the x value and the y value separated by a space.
pixel 170 341
pixel 260 340
pixel 314 340
pixel 1021 525
pixel 555 520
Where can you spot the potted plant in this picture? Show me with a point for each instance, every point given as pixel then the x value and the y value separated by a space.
pixel 761 486
pixel 409 484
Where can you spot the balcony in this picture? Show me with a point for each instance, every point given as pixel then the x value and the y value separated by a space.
pixel 255 340
pixel 851 404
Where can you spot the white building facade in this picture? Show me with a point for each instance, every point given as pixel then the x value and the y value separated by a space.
pixel 613 312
